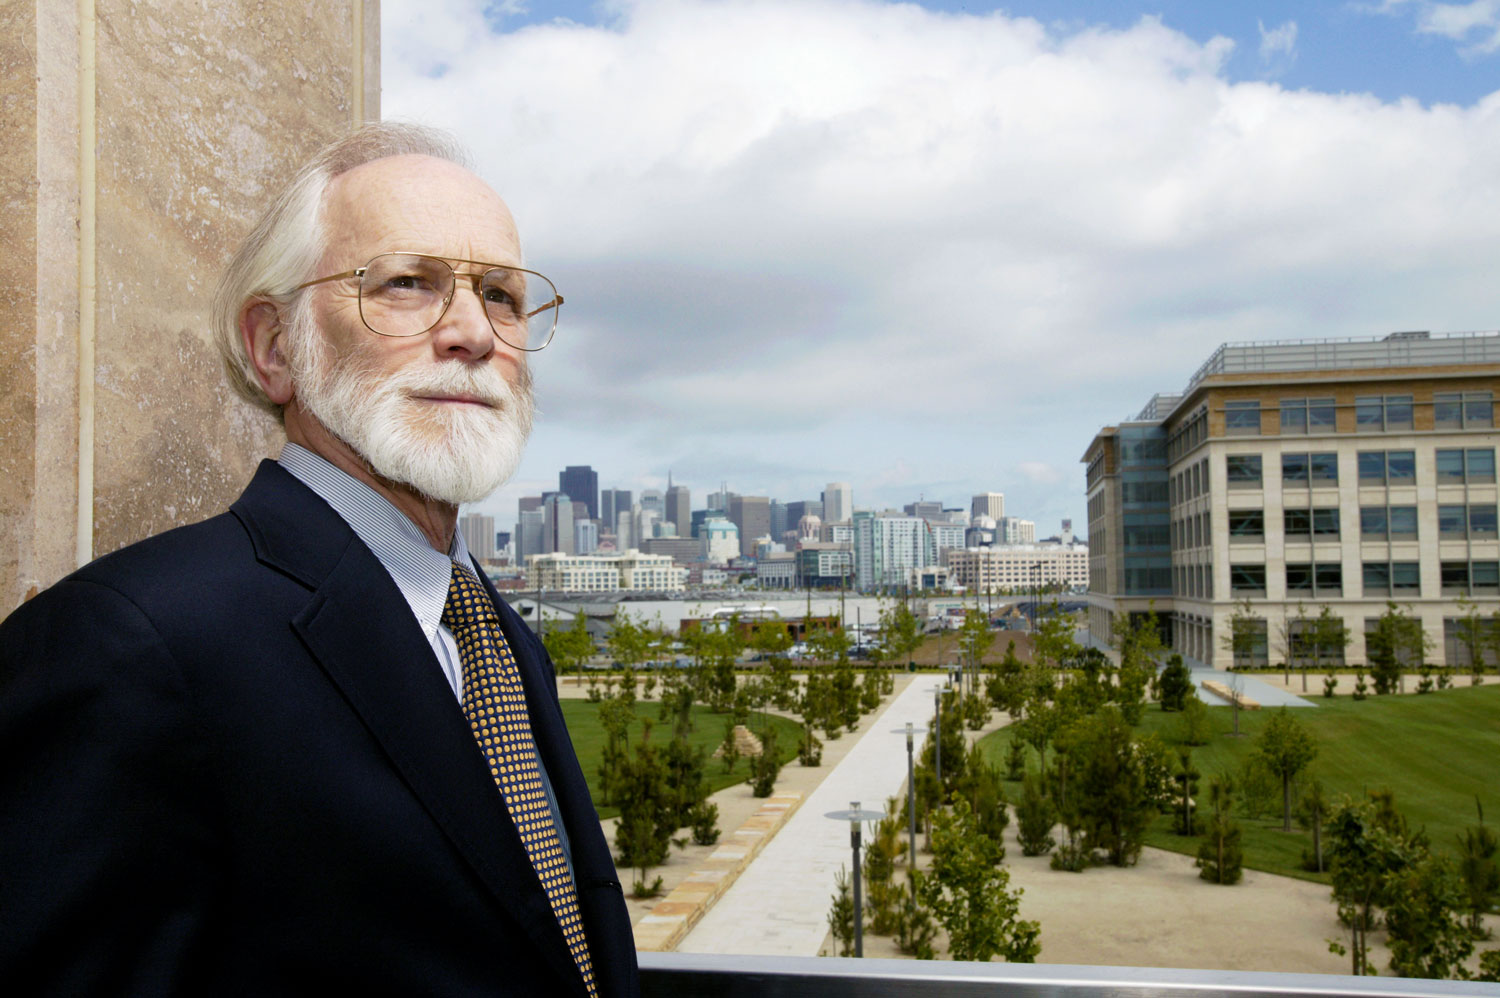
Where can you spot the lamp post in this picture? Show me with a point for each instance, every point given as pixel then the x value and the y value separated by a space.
pixel 911 796
pixel 854 816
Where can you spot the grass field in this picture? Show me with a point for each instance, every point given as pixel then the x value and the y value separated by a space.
pixel 708 729
pixel 1436 752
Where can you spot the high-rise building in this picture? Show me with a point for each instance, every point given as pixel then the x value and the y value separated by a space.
pixel 557 519
pixel 530 529
pixel 1293 476
pixel 679 508
pixel 581 484
pixel 927 509
pixel 838 502
pixel 612 502
pixel 479 534
pixel 752 515
pixel 718 502
pixel 887 547
pixel 779 522
pixel 653 500
pixel 1014 530
pixel 990 504
pixel 795 511
pixel 585 537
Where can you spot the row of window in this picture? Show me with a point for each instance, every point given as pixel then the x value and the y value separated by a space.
pixel 1463 641
pixel 1372 413
pixel 1189 483
pixel 1455 522
pixel 1453 466
pixel 1379 578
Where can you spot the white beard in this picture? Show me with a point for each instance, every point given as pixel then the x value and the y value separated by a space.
pixel 452 453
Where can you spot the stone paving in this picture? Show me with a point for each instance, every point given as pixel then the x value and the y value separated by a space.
pixel 779 904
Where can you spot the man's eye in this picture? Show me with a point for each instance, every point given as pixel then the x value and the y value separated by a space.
pixel 498 296
pixel 407 282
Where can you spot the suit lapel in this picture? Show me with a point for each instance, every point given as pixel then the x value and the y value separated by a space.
pixel 362 634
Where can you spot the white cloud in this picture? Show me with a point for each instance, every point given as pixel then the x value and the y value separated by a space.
pixel 842 234
pixel 1476 25
pixel 1278 47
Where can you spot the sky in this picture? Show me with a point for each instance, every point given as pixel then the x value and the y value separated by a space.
pixel 931 249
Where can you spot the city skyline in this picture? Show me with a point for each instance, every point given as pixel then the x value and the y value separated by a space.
pixel 942 261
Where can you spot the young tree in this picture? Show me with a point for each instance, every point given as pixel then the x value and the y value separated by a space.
pixel 900 632
pixel 1312 812
pixel 1285 748
pixel 1330 637
pixel 1244 635
pixel 1364 852
pixel 1141 647
pixel 974 639
pixel 571 646
pixel 1396 644
pixel 1472 633
pixel 969 893
pixel 1111 798
pixel 1479 873
pixel 1425 929
pixel 841 914
pixel 1220 857
pixel 1186 778
pixel 1193 726
pixel 648 812
pixel 1035 817
pixel 1176 683
pixel 628 642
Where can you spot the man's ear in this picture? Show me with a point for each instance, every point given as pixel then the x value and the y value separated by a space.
pixel 260 330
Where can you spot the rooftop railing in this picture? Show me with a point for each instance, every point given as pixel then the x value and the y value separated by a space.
pixel 687 975
pixel 1395 350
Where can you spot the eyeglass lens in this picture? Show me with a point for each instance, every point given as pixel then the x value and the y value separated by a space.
pixel 404 294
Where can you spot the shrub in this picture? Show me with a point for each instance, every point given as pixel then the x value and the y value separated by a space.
pixel 1035 817
pixel 704 819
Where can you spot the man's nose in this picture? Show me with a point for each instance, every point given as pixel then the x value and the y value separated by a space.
pixel 464 331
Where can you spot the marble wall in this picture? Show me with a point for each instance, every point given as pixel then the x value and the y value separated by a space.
pixel 138 141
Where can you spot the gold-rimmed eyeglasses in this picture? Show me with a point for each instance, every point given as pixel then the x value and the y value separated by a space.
pixel 406 294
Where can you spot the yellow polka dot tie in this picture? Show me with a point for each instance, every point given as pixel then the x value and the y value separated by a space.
pixel 495 704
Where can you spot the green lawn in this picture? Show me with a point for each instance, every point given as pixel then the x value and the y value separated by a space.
pixel 708 729
pixel 1436 752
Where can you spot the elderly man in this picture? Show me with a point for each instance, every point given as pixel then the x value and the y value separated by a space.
pixel 303 747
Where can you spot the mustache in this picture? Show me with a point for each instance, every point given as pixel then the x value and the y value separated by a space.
pixel 484 383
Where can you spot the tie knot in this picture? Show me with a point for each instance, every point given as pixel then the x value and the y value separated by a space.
pixel 468 604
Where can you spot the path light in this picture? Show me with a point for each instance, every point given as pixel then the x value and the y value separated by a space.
pixel 854 816
pixel 911 796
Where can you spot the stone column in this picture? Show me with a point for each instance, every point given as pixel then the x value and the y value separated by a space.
pixel 138 141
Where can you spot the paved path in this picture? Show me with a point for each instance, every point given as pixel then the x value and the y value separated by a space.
pixel 1258 690
pixel 779 905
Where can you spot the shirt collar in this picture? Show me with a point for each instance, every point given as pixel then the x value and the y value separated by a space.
pixel 420 572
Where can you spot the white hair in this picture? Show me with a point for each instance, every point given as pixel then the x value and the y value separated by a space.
pixel 288 241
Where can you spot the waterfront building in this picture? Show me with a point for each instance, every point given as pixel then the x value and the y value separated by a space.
pixel 1018 568
pixel 630 570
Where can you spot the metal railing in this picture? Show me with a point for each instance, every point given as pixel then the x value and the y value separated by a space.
pixel 1395 350
pixel 680 975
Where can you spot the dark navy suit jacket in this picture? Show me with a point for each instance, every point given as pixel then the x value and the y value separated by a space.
pixel 230 765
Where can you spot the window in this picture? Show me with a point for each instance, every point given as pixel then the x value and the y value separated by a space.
pixel 1242 471
pixel 1457 410
pixel 1393 522
pixel 1383 578
pixel 1249 642
pixel 1326 579
pixel 1242 418
pixel 1463 638
pixel 1380 413
pixel 1308 522
pixel 1299 578
pixel 1476 464
pixel 1247 526
pixel 1467 577
pixel 1247 580
pixel 1307 415
pixel 1482 522
pixel 1294 469
pixel 1453 521
pixel 1382 467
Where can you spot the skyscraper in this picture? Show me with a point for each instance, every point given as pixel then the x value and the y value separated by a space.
pixel 990 504
pixel 557 529
pixel 752 515
pixel 652 499
pixel 838 502
pixel 679 508
pixel 613 502
pixel 479 534
pixel 581 483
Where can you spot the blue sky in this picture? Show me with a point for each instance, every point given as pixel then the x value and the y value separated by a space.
pixel 931 250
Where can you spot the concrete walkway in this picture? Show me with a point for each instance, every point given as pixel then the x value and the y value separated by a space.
pixel 779 905
pixel 1258 690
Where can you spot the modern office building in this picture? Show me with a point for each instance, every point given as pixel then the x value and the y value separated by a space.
pixel 679 508
pixel 722 540
pixel 557 523
pixel 1289 476
pixel 990 504
pixel 823 565
pixel 778 519
pixel 795 511
pixel 530 528
pixel 585 536
pixel 1014 530
pixel 838 502
pixel 752 515
pixel 613 502
pixel 479 534
pixel 927 509
pixel 581 484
